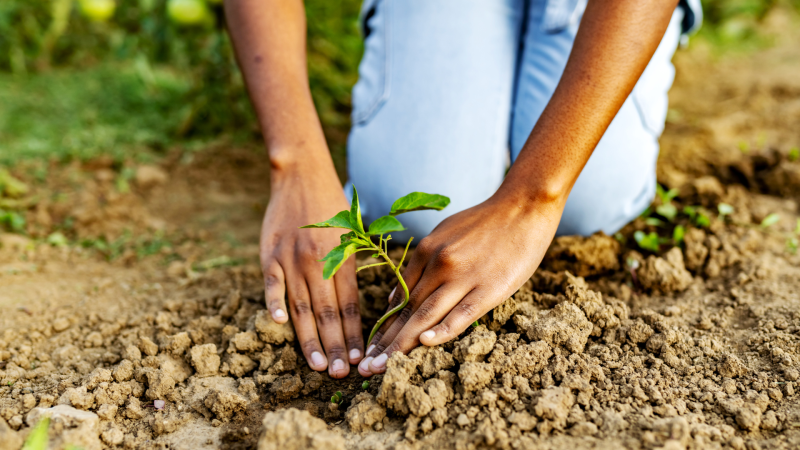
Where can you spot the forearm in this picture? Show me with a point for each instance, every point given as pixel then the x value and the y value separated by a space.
pixel 614 44
pixel 270 41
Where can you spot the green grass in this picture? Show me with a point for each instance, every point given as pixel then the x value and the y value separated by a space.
pixel 70 113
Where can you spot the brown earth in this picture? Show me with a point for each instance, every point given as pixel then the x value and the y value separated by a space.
pixel 607 346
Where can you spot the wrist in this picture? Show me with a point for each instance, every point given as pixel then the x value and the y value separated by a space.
pixel 530 197
pixel 310 167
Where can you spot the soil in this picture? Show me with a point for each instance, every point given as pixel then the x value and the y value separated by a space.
pixel 607 346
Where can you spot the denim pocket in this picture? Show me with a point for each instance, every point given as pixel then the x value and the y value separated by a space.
pixel 558 15
pixel 372 88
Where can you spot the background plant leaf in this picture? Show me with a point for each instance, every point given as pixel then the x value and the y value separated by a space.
pixel 340 220
pixel 355 213
pixel 770 220
pixel 336 257
pixel 39 438
pixel 385 224
pixel 419 201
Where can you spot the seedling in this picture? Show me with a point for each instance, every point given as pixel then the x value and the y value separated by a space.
pixel 725 209
pixel 794 154
pixel 677 235
pixel 666 209
pixel 647 241
pixel 697 215
pixel 38 439
pixel 770 220
pixel 359 239
pixel 337 397
pixel 365 385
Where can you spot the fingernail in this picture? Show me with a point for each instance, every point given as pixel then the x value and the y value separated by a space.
pixel 380 361
pixel 355 353
pixel 337 365
pixel 429 334
pixel 278 314
pixel 364 366
pixel 369 350
pixel 317 359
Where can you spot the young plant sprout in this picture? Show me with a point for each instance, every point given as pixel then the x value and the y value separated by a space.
pixel 725 209
pixel 359 238
pixel 337 397
pixel 770 220
pixel 365 385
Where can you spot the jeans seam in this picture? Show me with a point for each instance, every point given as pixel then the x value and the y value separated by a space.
pixel 385 67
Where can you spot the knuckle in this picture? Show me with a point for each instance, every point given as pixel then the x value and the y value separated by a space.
pixel 404 315
pixel 309 249
pixel 353 341
pixel 301 307
pixel 327 314
pixel 309 346
pixel 394 347
pixel 379 348
pixel 425 312
pixel 377 338
pixel 468 309
pixel 443 258
pixel 351 311
pixel 274 303
pixel 334 350
pixel 271 281
pixel 425 247
pixel 445 328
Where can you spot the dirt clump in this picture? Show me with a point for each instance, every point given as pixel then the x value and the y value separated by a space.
pixel 292 429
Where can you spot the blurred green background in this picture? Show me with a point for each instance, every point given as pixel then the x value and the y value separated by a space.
pixel 134 78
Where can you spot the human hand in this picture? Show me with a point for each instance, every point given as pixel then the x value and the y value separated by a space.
pixel 469 264
pixel 326 309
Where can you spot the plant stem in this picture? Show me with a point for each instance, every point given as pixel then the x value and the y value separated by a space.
pixel 396 270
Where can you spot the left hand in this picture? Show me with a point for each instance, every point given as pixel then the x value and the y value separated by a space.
pixel 469 264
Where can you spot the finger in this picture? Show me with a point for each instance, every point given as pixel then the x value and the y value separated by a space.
pixel 347 293
pixel 395 300
pixel 303 320
pixel 388 330
pixel 275 291
pixel 468 310
pixel 407 330
pixel 329 323
pixel 372 351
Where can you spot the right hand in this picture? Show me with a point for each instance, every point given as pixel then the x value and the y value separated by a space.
pixel 325 310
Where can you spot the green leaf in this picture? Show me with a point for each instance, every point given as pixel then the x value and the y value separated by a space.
pixel 666 196
pixel 797 228
pixel 668 211
pixel 725 209
pixel 347 237
pixel 654 222
pixel 57 239
pixel 340 220
pixel 677 235
pixel 770 220
pixel 355 213
pixel 336 257
pixel 647 241
pixel 385 224
pixel 38 439
pixel 794 154
pixel 419 201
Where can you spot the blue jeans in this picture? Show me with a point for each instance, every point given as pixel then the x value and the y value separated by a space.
pixel 449 91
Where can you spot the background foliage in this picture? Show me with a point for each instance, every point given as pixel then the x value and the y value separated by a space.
pixel 141 81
